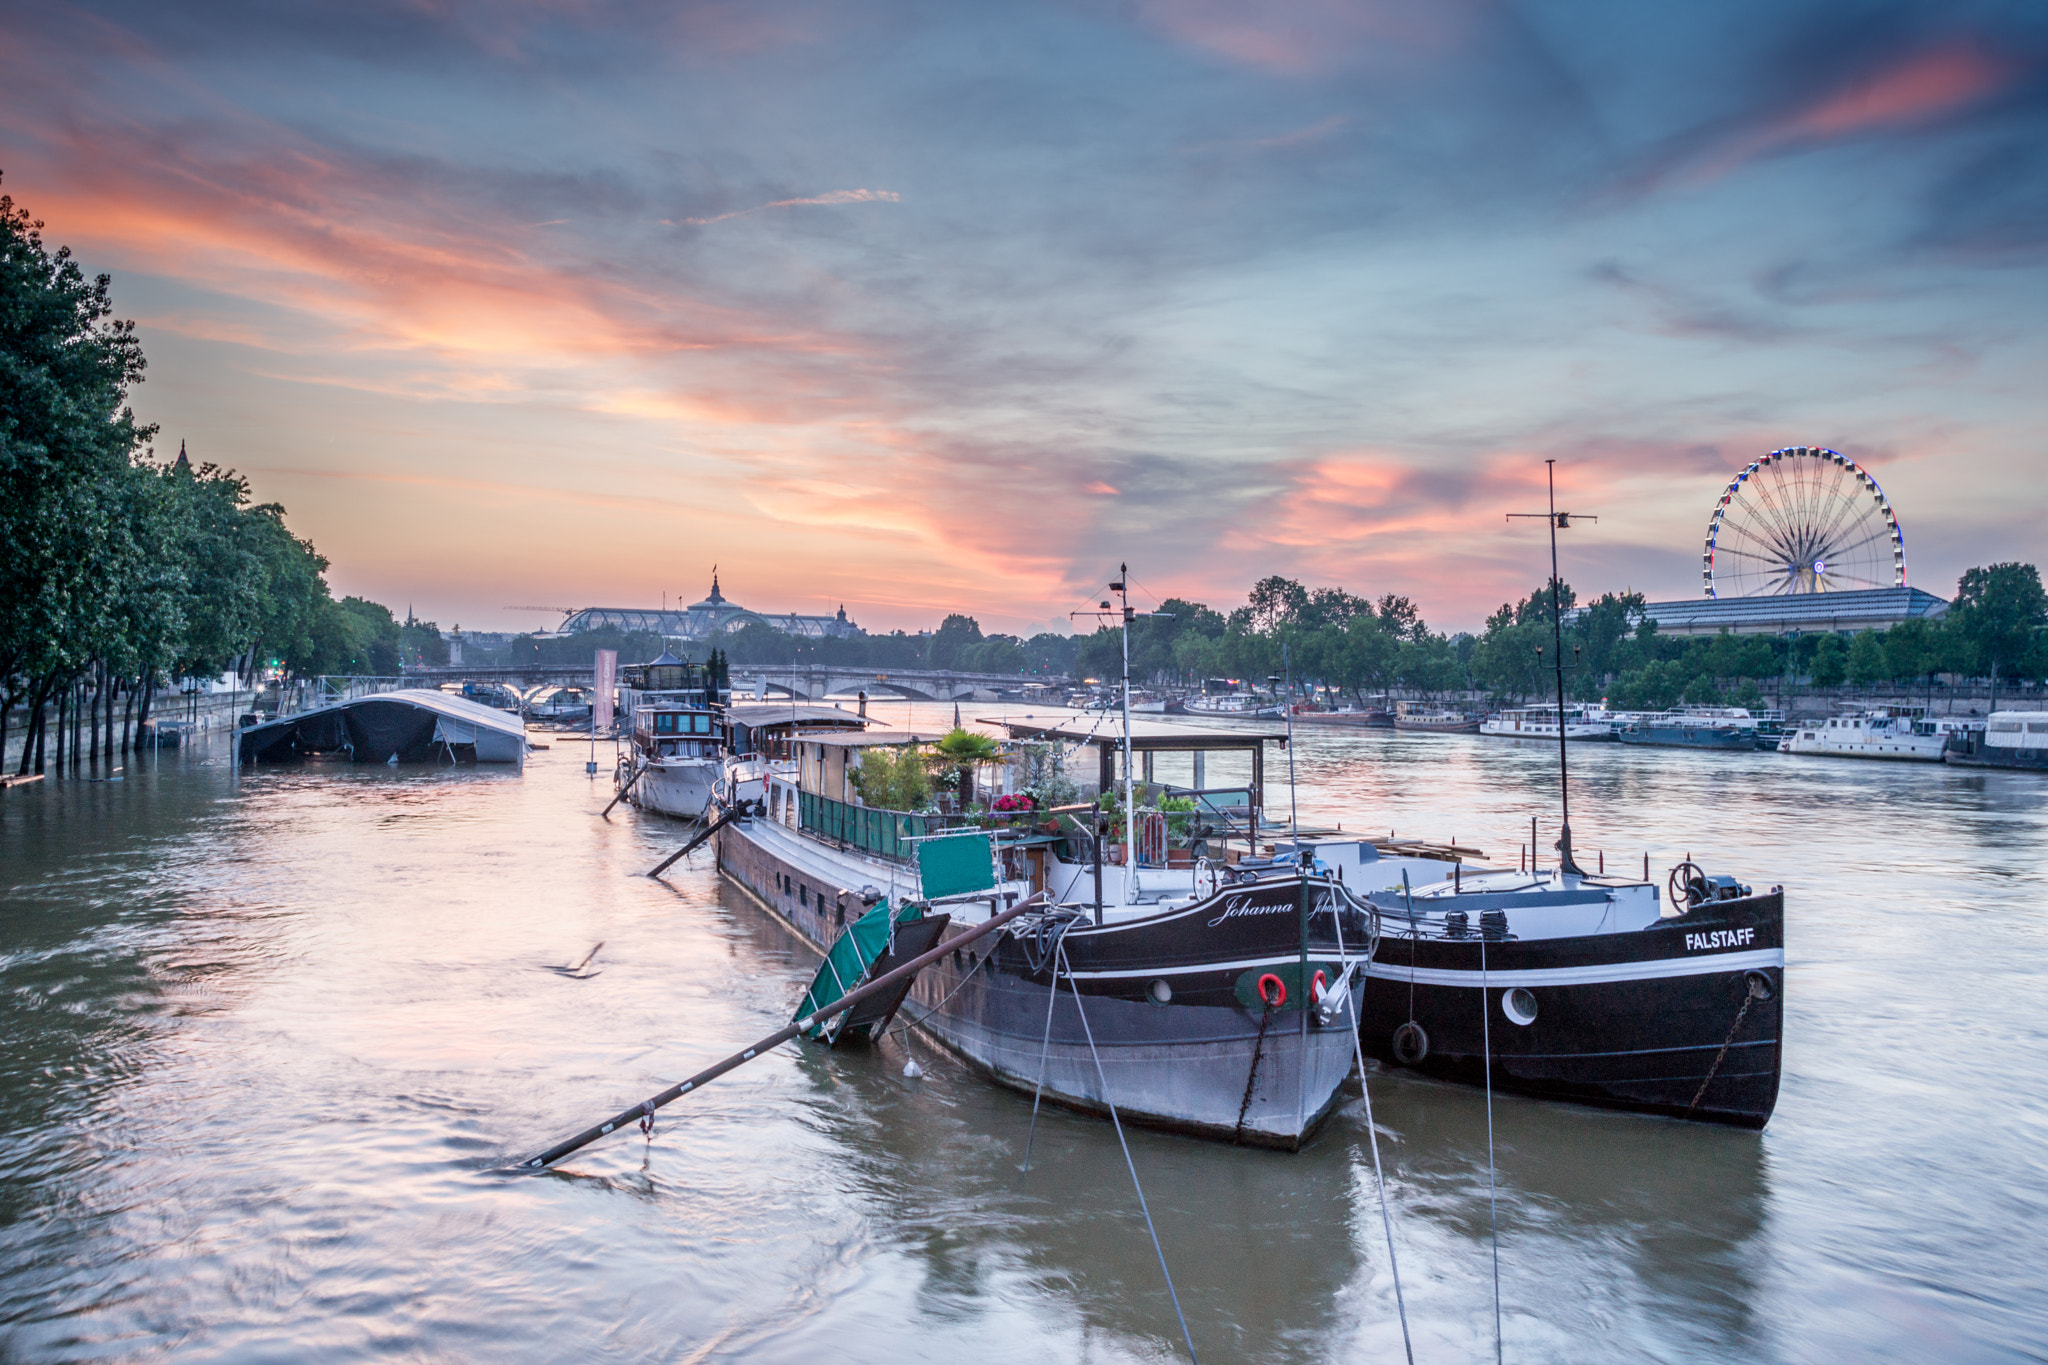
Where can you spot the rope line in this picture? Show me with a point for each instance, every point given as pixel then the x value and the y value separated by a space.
pixel 1372 1132
pixel 1044 1052
pixel 1089 1033
pixel 1492 1201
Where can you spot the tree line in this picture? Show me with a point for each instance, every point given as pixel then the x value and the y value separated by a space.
pixel 120 571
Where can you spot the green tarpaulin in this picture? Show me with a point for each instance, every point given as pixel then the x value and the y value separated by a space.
pixel 847 965
pixel 956 865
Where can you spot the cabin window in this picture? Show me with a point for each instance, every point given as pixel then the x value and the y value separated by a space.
pixel 2037 727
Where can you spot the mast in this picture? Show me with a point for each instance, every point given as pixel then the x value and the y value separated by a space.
pixel 1122 589
pixel 1564 786
pixel 1565 863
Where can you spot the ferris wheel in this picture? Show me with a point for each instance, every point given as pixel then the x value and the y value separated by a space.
pixel 1801 520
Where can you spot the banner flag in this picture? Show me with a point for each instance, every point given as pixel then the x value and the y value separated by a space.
pixel 607 687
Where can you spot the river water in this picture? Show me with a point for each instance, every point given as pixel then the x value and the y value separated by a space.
pixel 262 1038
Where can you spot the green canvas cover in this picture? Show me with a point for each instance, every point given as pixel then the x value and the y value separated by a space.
pixel 956 865
pixel 846 966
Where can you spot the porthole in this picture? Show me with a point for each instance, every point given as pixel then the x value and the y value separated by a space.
pixel 1160 992
pixel 1519 1005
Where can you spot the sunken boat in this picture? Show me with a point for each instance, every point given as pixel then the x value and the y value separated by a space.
pixel 410 725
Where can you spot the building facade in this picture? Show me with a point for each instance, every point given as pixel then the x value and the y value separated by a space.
pixel 715 615
pixel 1794 613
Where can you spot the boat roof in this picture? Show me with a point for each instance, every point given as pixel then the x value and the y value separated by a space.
pixel 441 703
pixel 1107 731
pixel 756 714
pixel 861 740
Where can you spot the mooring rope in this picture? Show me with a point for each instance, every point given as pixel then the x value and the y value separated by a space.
pixel 1372 1132
pixel 1117 1123
pixel 1492 1202
pixel 1045 1047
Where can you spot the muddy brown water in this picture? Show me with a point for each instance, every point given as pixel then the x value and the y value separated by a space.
pixel 263 1035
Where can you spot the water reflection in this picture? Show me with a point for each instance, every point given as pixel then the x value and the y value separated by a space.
pixel 260 1040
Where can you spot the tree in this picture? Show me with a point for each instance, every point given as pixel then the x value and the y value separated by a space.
pixel 1867 664
pixel 1997 616
pixel 894 777
pixel 1830 662
pixel 959 753
pixel 952 639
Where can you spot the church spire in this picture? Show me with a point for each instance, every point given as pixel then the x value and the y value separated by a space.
pixel 183 465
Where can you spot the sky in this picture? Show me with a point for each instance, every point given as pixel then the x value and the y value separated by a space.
pixel 933 307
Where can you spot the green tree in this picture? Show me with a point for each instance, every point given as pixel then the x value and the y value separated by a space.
pixel 894 777
pixel 1997 617
pixel 951 641
pixel 1867 663
pixel 1830 662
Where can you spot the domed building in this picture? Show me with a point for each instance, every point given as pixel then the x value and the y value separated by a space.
pixel 716 614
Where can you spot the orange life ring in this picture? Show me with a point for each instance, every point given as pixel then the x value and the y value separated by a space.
pixel 1318 988
pixel 1273 1002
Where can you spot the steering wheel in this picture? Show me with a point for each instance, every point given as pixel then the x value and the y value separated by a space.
pixel 1687 885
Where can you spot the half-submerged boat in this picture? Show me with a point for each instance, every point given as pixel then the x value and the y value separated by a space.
pixel 406 725
pixel 1188 994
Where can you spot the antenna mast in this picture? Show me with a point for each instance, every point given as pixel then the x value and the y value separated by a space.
pixel 1557 519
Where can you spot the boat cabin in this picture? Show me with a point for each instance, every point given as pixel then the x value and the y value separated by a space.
pixel 675 730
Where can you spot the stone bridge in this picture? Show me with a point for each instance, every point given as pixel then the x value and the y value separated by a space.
pixel 811 682
pixel 816 682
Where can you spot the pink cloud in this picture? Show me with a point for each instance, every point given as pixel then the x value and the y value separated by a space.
pixel 835 197
pixel 1916 90
pixel 1304 37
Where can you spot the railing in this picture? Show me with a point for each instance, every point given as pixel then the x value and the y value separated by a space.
pixel 885 833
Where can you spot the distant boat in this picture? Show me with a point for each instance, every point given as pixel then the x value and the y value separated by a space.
pixel 1375 718
pixel 1540 722
pixel 1242 705
pixel 1415 715
pixel 1694 727
pixel 2009 739
pixel 1897 733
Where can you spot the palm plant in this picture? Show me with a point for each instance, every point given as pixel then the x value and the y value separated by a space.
pixel 962 751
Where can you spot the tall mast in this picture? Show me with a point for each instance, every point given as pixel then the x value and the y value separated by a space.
pixel 1565 862
pixel 1122 589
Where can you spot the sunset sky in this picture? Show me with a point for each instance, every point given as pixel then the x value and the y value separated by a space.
pixel 950 307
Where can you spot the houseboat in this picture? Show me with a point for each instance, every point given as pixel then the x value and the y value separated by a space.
pixel 2008 739
pixel 1898 733
pixel 1540 722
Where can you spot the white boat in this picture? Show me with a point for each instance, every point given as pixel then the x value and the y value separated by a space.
pixel 1242 705
pixel 1540 722
pixel 1899 733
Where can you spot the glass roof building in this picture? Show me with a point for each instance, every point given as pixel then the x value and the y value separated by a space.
pixel 701 620
pixel 1794 613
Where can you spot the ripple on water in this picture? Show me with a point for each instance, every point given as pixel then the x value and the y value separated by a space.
pixel 262 1040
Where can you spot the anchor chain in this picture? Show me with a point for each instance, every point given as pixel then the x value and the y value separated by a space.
pixel 1754 992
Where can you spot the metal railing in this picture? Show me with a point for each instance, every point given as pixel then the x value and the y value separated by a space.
pixel 884 833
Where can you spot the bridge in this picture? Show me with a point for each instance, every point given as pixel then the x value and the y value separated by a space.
pixel 811 682
pixel 816 682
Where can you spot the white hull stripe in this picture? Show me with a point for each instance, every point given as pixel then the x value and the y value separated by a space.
pixel 1532 976
pixel 1702 965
